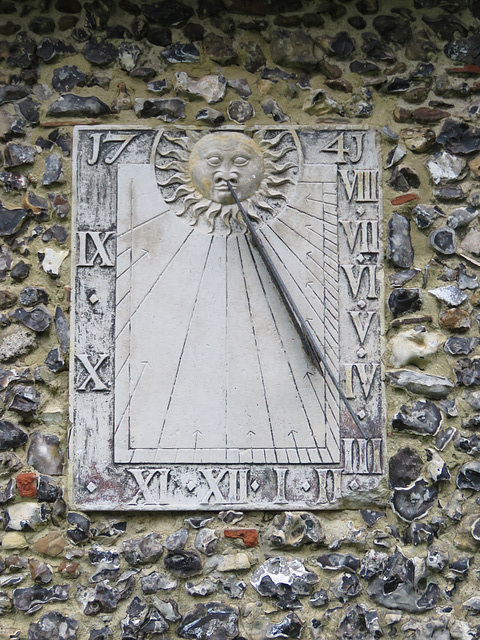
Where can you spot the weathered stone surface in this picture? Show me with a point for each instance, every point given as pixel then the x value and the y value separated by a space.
pixel 423 418
pixel 284 580
pixel 292 48
pixel 445 167
pixel 11 219
pixel 45 453
pixel 414 346
pixel 38 319
pixel 53 626
pixel 168 109
pixel 32 599
pixel 210 620
pixel 400 250
pixel 25 516
pixel 77 106
pixel 455 320
pixel 420 383
pixel 142 551
pixel 100 52
pixel 11 436
pixel 17 344
pixel 292 530
pixel 211 88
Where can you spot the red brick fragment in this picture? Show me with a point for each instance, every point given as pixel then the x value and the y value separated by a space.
pixel 339 84
pixel 468 68
pixel 402 115
pixel 27 484
pixel 249 7
pixel 249 536
pixel 425 115
pixel 407 197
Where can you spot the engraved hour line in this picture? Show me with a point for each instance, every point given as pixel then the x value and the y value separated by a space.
pixel 293 279
pixel 299 234
pixel 256 345
pixel 296 256
pixel 184 342
pixel 127 407
pixel 305 213
pixel 154 284
pixel 323 320
pixel 309 376
pixel 141 224
pixel 284 351
pixel 131 265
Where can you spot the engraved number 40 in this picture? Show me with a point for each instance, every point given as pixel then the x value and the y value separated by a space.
pixel 339 146
pixel 99 139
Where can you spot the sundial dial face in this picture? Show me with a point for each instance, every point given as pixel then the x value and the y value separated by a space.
pixel 192 387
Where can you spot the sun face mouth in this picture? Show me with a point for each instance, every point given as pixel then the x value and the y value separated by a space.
pixel 194 170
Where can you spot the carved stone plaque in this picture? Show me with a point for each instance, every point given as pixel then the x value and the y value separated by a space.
pixel 191 387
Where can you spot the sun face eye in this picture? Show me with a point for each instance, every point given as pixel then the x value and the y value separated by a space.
pixel 241 161
pixel 214 161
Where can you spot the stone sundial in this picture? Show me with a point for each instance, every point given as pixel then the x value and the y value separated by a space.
pixel 191 389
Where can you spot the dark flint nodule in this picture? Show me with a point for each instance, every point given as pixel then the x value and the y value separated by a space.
pixel 100 52
pixel 50 48
pixel 400 250
pixel 337 561
pixel 468 372
pixel 403 301
pixel 423 417
pixel 468 476
pixel 11 220
pixel 443 240
pixel 413 503
pixel 49 626
pixel 460 346
pixel 181 53
pixel 210 620
pixel 23 400
pixel 290 627
pixel 468 444
pixel 38 319
pixel 404 468
pixel 47 490
pixel 77 106
pixel 20 271
pixel 32 599
pixel 11 436
pixel 81 531
pixel 183 563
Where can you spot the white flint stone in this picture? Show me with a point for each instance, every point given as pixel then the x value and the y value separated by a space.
pixel 414 346
pixel 25 515
pixel 451 295
pixel 445 167
pixel 53 260
pixel 211 87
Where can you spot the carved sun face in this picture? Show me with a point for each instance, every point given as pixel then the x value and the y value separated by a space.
pixel 226 157
pixel 194 182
